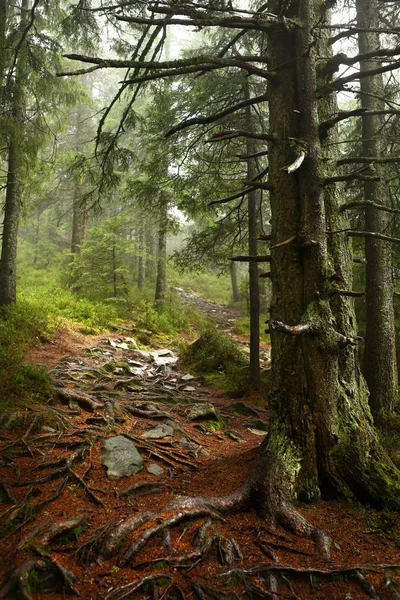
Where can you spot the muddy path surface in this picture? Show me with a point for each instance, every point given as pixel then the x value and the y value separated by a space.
pixel 87 484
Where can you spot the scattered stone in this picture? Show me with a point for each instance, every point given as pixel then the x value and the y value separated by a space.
pixel 202 411
pixel 161 431
pixel 234 435
pixel 121 457
pixel 257 431
pixel 187 377
pixel 155 469
pixel 164 357
pixel 189 388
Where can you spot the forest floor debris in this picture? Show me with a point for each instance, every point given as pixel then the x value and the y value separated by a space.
pixel 66 527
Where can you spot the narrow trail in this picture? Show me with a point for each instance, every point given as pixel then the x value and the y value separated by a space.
pixel 82 512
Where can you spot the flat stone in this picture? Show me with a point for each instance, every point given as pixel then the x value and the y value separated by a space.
pixel 189 388
pixel 121 457
pixel 155 469
pixel 202 411
pixel 187 377
pixel 161 431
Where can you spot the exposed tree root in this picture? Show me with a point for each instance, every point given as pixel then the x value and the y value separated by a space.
pixel 126 591
pixel 170 521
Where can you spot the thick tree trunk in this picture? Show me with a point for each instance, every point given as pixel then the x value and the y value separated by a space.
pixel 8 265
pixel 161 280
pixel 321 436
pixel 253 204
pixel 234 281
pixel 380 346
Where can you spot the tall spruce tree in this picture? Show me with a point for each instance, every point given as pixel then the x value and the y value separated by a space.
pixel 321 436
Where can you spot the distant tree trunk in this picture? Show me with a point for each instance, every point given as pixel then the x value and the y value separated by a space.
pixel 78 221
pixel 380 347
pixel 150 258
pixel 234 281
pixel 114 268
pixel 141 277
pixel 161 280
pixel 79 209
pixel 8 265
pixel 253 203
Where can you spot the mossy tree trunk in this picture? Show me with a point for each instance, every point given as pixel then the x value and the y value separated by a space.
pixel 380 365
pixel 234 281
pixel 12 207
pixel 321 437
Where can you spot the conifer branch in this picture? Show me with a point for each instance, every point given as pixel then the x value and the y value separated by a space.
pixel 354 160
pixel 350 177
pixel 219 136
pixel 364 203
pixel 265 258
pixel 341 81
pixel 216 116
pixel 371 234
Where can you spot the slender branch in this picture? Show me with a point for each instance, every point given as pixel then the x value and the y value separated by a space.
pixel 353 160
pixel 343 114
pixel 266 258
pixel 372 234
pixel 351 177
pixel 254 155
pixel 216 116
pixel 253 24
pixel 349 31
pixel 233 197
pixel 358 260
pixel 218 136
pixel 364 203
pixel 349 293
pixel 341 81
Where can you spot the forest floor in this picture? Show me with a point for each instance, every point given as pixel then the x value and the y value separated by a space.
pixel 67 528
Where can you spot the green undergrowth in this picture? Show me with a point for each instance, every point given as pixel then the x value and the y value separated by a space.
pixel 389 431
pixel 21 325
pixel 242 327
pixel 218 358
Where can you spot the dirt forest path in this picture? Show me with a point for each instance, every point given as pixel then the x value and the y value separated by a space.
pixel 87 484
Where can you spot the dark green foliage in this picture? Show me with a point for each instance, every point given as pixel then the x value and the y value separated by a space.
pixel 218 357
pixel 21 325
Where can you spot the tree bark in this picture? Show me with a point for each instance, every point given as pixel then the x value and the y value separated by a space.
pixel 380 366
pixel 253 203
pixel 321 437
pixel 141 278
pixel 150 258
pixel 161 280
pixel 234 281
pixel 8 265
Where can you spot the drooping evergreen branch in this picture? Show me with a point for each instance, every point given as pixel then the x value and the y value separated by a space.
pixel 233 196
pixel 350 31
pixel 24 33
pixel 265 258
pixel 251 23
pixel 346 114
pixel 350 177
pixel 364 203
pixel 354 160
pixel 341 81
pixel 343 59
pixel 254 155
pixel 364 234
pixel 219 136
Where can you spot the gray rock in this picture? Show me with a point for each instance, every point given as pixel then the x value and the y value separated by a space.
pixel 187 377
pixel 161 431
pixel 202 411
pixel 121 457
pixel 155 469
